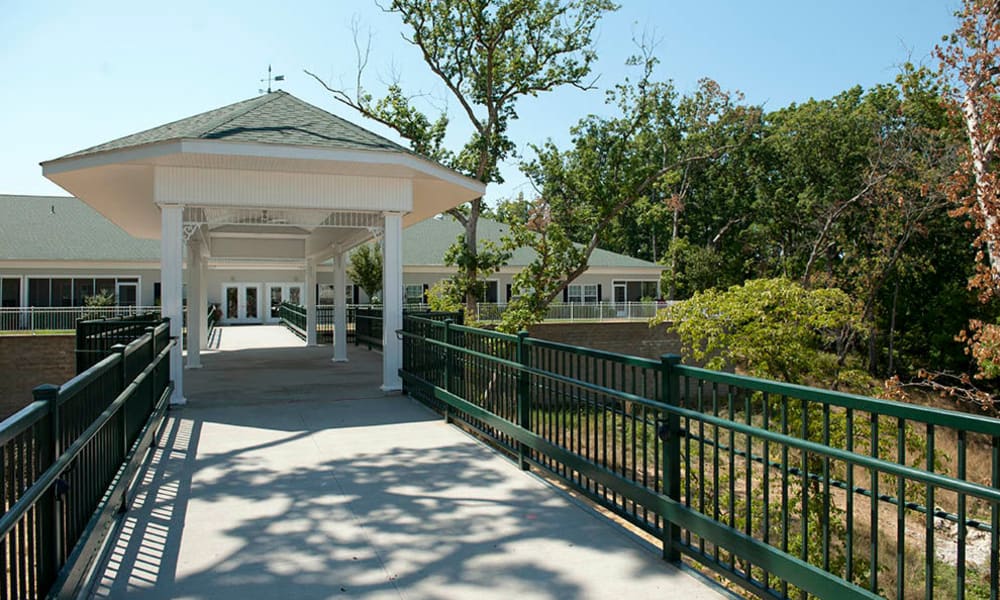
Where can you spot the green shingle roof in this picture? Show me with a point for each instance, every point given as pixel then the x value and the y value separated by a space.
pixel 61 228
pixel 425 243
pixel 275 118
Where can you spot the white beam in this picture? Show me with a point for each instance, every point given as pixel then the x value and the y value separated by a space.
pixel 340 308
pixel 392 302
pixel 196 289
pixel 171 288
pixel 310 302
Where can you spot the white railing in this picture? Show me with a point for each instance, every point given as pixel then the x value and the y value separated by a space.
pixel 574 311
pixel 59 319
pixel 34 320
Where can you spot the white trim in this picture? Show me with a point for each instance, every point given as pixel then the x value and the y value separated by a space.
pixel 257 236
pixel 651 272
pixel 69 264
pixel 146 153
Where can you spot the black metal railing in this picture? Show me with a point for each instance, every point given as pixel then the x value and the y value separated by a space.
pixel 95 337
pixel 68 460
pixel 784 490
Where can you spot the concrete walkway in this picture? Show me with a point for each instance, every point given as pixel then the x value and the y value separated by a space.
pixel 289 476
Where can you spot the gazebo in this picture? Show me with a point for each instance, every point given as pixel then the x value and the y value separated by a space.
pixel 271 177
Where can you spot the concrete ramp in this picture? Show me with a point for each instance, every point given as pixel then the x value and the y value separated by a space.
pixel 360 498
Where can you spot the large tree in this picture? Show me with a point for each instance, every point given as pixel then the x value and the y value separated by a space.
pixel 970 66
pixel 489 54
pixel 646 151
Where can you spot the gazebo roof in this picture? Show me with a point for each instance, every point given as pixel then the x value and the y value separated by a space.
pixel 274 151
pixel 274 118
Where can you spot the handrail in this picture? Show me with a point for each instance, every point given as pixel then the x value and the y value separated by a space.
pixel 734 472
pixel 87 458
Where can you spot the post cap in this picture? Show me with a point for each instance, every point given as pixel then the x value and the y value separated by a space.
pixel 670 358
pixel 45 391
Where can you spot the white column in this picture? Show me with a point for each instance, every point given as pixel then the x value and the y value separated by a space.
pixel 340 308
pixel 310 301
pixel 171 287
pixel 196 288
pixel 202 304
pixel 392 302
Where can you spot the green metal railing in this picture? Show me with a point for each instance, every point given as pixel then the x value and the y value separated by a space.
pixel 368 327
pixel 95 337
pixel 786 490
pixel 293 316
pixel 68 460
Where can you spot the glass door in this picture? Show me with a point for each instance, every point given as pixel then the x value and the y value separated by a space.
pixel 278 293
pixel 621 291
pixel 250 303
pixel 275 293
pixel 242 303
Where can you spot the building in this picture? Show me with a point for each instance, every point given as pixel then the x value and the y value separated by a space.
pixel 55 251
pixel 247 201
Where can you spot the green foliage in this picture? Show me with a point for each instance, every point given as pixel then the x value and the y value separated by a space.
pixel 365 269
pixel 443 297
pixel 489 55
pixel 103 298
pixel 772 328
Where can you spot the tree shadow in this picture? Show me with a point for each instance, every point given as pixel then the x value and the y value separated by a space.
pixel 352 505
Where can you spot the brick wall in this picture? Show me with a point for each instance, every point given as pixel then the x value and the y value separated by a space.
pixel 636 338
pixel 28 361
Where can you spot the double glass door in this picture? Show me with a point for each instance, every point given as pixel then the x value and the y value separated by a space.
pixel 282 292
pixel 241 303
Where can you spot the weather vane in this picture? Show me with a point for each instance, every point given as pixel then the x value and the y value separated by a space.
pixel 270 80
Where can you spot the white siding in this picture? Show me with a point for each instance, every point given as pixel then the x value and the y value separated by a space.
pixel 272 189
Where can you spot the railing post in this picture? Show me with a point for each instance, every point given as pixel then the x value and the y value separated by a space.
pixel 119 349
pixel 154 352
pixel 448 354
pixel 523 397
pixel 670 433
pixel 49 522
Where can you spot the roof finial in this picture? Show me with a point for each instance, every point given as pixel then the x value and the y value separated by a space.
pixel 270 80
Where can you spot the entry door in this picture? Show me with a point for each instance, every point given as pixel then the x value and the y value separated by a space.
pixel 620 290
pixel 242 303
pixel 278 293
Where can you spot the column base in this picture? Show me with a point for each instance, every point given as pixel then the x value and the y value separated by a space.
pixel 198 366
pixel 339 360
pixel 177 399
pixel 391 389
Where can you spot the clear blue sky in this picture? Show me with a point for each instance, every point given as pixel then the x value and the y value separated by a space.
pixel 77 73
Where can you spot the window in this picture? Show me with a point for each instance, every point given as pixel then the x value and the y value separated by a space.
pixel 38 292
pixel 634 291
pixel 10 292
pixel 414 294
pixel 583 293
pixel 71 291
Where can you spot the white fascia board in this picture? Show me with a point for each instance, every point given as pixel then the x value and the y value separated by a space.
pixel 136 154
pixel 149 152
pixel 76 264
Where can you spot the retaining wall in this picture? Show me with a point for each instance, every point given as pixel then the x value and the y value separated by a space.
pixel 30 360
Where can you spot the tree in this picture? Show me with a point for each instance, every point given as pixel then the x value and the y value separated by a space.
pixel 970 65
pixel 489 54
pixel 772 328
pixel 614 164
pixel 365 269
